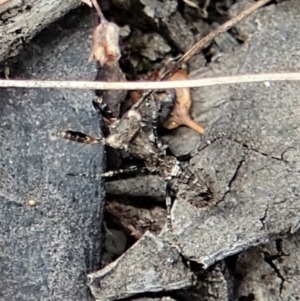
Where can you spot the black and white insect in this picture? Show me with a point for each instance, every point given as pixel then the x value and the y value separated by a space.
pixel 136 132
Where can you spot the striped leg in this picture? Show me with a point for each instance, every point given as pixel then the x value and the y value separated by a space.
pixel 193 153
pixel 151 104
pixel 227 136
pixel 110 173
pixel 81 137
pixel 169 207
pixel 102 109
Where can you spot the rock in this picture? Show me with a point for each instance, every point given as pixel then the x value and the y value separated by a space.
pixel 254 182
pixel 146 186
pixel 270 272
pixel 256 189
pixel 47 249
pixel 150 265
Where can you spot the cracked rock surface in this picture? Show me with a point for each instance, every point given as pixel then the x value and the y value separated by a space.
pixel 257 190
pixel 270 272
pixel 121 279
pixel 256 187
pixel 254 181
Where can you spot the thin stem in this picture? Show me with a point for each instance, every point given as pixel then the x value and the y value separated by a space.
pixel 99 11
pixel 147 85
pixel 221 29
pixel 171 69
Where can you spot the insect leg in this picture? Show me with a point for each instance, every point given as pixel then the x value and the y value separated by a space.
pixel 151 103
pixel 102 108
pixel 220 136
pixel 200 148
pixel 169 206
pixel 108 174
pixel 81 137
pixel 152 106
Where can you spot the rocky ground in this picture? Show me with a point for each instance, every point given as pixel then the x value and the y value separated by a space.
pixel 242 248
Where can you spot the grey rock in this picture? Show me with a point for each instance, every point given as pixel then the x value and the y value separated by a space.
pixel 256 191
pixel 162 270
pixel 256 188
pixel 47 249
pixel 275 265
pixel 149 186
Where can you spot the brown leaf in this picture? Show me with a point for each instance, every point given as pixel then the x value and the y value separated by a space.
pixel 106 48
pixel 181 111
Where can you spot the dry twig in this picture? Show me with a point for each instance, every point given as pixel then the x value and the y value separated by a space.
pixel 221 29
pixel 164 85
pixel 146 85
pixel 172 68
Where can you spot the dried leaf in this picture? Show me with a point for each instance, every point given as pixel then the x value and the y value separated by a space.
pixel 105 40
pixel 106 48
pixel 88 2
pixel 181 111
pixel 180 114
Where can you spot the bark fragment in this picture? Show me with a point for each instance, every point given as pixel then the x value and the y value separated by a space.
pixel 21 20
